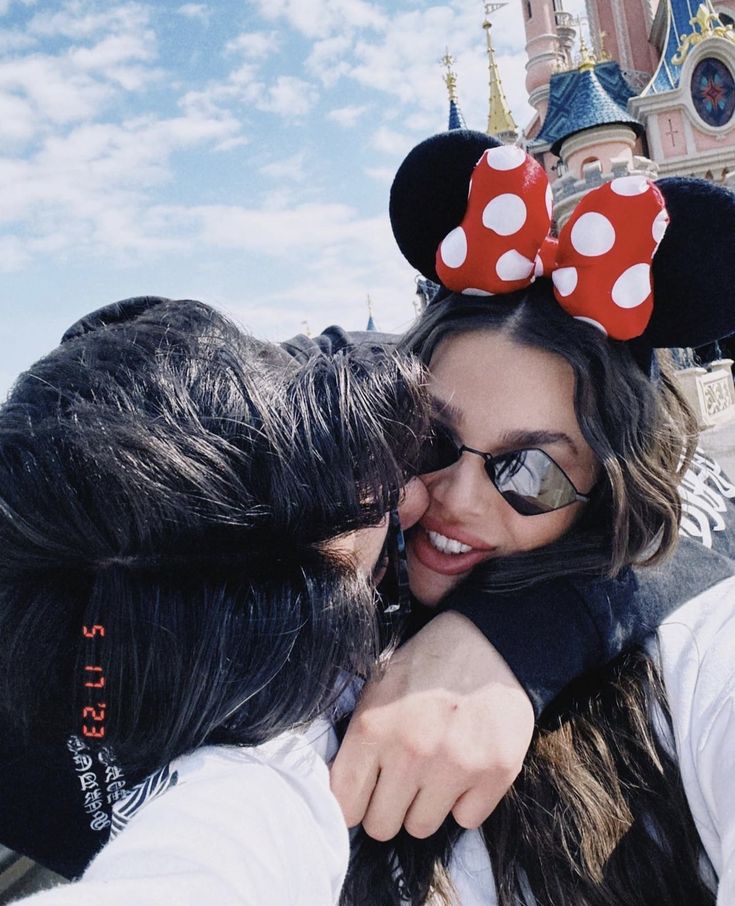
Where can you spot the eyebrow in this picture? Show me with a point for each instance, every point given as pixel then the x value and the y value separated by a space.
pixel 518 440
pixel 511 440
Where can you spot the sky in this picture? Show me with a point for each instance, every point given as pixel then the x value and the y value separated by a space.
pixel 239 152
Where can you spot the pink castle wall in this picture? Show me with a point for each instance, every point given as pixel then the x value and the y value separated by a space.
pixel 638 32
pixel 603 151
pixel 671 134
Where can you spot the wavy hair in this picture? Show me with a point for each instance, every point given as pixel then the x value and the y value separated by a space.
pixel 598 815
pixel 641 431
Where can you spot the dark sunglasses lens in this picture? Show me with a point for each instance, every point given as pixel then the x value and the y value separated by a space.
pixel 531 482
pixel 438 451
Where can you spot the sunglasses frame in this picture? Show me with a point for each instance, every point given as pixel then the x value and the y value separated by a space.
pixel 490 459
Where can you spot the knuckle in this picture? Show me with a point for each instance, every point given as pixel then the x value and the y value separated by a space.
pixel 468 817
pixel 507 766
pixel 379 830
pixel 420 828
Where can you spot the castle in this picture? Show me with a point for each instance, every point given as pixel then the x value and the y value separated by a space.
pixel 651 91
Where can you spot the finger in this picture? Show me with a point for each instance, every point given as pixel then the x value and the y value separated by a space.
pixel 429 810
pixel 352 778
pixel 475 806
pixel 391 799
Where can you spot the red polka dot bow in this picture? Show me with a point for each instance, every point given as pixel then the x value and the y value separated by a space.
pixel 601 263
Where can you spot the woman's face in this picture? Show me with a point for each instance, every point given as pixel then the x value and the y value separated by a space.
pixel 494 395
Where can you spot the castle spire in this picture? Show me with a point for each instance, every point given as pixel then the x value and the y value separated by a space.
pixel 456 120
pixel 500 122
pixel 371 321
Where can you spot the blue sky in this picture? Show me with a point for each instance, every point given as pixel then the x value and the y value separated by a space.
pixel 239 152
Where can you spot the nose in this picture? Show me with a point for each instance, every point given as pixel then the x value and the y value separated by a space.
pixel 463 490
pixel 414 503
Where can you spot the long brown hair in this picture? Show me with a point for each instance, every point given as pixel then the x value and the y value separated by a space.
pixel 598 815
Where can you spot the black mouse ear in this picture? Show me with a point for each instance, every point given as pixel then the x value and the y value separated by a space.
pixel 428 198
pixel 694 267
pixel 115 313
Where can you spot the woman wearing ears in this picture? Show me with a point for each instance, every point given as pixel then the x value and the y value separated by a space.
pixel 191 526
pixel 559 447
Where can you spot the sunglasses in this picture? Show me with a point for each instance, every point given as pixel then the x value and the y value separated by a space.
pixel 529 480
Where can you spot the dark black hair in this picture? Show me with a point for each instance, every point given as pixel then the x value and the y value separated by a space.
pixel 174 480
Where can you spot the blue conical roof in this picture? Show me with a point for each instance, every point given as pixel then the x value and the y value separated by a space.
pixel 585 98
pixel 371 324
pixel 679 14
pixel 456 120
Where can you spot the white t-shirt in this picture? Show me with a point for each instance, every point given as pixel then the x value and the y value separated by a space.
pixel 237 827
pixel 260 826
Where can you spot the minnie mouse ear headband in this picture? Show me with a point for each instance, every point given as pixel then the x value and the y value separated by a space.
pixel 474 216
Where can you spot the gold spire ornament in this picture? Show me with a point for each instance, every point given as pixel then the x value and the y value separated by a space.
pixel 450 76
pixel 709 25
pixel 500 122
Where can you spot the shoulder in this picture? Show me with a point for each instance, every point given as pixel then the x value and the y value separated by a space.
pixel 251 819
pixel 696 644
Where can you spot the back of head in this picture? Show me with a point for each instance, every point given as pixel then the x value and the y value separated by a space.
pixel 172 480
pixel 639 428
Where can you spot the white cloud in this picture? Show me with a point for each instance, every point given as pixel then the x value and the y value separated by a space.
pixel 88 188
pixel 347 116
pixel 79 19
pixel 289 169
pixel 254 45
pixel 6 5
pixel 287 96
pixel 382 175
pixel 195 11
pixel 320 18
pixel 391 142
pixel 113 51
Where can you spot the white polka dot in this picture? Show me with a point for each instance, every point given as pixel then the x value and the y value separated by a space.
pixel 630 185
pixel 592 322
pixel 505 214
pixel 513 266
pixel 593 234
pixel 565 280
pixel 506 157
pixel 660 225
pixel 454 248
pixel 538 267
pixel 633 287
pixel 471 291
pixel 549 201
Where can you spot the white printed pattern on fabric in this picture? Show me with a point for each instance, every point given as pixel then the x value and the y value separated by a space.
pixel 146 791
pixel 703 491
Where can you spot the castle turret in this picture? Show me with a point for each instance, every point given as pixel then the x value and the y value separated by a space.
pixel 544 49
pixel 456 120
pixel 500 122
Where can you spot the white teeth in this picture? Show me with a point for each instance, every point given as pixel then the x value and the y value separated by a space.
pixel 448 545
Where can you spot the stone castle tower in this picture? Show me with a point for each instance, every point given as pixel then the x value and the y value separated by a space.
pixel 652 92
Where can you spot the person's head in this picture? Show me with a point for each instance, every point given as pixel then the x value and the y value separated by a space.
pixel 198 494
pixel 516 373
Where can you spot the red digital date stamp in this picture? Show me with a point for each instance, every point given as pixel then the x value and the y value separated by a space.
pixel 93 713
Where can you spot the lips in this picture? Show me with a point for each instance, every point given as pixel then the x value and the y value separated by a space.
pixel 447 564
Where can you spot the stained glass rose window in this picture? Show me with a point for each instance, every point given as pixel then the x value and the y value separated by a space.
pixel 713 92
